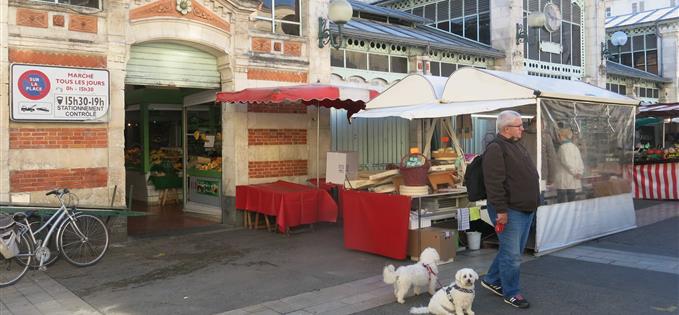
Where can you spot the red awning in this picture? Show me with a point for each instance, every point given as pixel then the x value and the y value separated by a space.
pixel 352 99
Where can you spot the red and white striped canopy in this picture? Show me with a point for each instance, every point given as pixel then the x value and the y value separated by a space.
pixel 352 99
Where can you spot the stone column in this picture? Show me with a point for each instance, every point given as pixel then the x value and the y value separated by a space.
pixel 319 58
pixel 595 34
pixel 504 16
pixel 668 62
pixel 4 103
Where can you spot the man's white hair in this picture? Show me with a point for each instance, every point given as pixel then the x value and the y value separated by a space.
pixel 505 119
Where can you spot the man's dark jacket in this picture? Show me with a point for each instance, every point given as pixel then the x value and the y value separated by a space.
pixel 510 176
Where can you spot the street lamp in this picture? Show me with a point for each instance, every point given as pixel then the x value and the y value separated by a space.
pixel 339 12
pixel 618 39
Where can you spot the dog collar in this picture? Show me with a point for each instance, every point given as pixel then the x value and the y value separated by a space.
pixel 462 289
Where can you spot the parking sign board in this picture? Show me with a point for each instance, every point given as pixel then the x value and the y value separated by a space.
pixel 43 93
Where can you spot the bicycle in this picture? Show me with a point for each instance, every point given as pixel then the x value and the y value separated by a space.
pixel 82 239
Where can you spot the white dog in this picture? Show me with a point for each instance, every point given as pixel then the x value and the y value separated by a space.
pixel 454 298
pixel 422 275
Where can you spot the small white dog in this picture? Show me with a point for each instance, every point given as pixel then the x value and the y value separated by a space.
pixel 422 275
pixel 454 298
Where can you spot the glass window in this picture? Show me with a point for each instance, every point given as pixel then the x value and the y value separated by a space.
pixel 651 41
pixel 455 8
pixel 614 58
pixel 280 17
pixel 626 59
pixel 430 11
pixel 484 5
pixel 640 60
pixel 399 64
pixel 638 43
pixel 378 62
pixel 566 55
pixel 470 24
pixel 337 57
pixel 444 26
pixel 457 27
pixel 642 92
pixel 469 7
pixel 652 61
pixel 566 10
pixel 434 68
pixel 576 44
pixel 443 11
pixel 622 89
pixel 655 93
pixel 419 11
pixel 80 3
pixel 447 69
pixel 484 28
pixel 356 60
pixel 544 37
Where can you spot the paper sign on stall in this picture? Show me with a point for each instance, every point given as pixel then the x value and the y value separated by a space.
pixel 463 219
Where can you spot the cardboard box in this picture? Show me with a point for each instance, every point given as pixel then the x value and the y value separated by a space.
pixel 611 187
pixel 443 240
pixel 341 166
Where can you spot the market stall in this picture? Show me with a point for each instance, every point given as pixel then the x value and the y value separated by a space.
pixel 656 161
pixel 600 123
pixel 289 202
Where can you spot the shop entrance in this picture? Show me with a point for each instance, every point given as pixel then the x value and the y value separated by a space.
pixel 203 158
pixel 171 126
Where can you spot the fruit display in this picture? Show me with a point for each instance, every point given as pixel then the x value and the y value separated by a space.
pixel 173 155
pixel 644 153
pixel 133 156
pixel 214 164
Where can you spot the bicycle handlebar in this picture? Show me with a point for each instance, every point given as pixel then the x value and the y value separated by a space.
pixel 59 192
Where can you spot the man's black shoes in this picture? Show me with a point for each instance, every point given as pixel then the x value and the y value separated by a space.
pixel 493 288
pixel 517 301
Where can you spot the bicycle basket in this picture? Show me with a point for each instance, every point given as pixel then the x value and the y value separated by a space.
pixel 8 237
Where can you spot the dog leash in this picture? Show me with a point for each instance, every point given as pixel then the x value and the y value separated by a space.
pixel 431 272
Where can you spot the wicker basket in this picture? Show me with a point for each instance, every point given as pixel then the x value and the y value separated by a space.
pixel 415 176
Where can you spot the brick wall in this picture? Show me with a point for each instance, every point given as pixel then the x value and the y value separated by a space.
pixel 43 180
pixel 56 58
pixel 277 108
pixel 277 75
pixel 276 136
pixel 261 169
pixel 57 138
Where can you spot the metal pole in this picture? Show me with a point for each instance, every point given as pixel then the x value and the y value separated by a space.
pixel 663 133
pixel 318 141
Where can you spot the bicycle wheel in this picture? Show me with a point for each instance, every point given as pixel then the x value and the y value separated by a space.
pixel 11 270
pixel 54 249
pixel 83 241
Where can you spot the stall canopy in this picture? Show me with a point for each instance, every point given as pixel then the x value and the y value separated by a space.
pixel 471 90
pixel 352 99
pixel 667 110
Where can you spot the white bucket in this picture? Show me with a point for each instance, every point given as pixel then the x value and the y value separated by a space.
pixel 474 240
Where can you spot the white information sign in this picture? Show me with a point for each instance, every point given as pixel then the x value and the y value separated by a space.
pixel 44 93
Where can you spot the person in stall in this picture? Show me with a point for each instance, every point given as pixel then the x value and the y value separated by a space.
pixel 568 168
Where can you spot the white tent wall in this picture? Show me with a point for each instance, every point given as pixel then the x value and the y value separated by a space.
pixel 471 90
pixel 412 90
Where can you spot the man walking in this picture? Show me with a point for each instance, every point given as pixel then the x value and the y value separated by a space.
pixel 512 186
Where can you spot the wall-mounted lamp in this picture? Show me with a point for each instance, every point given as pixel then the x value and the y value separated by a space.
pixel 339 12
pixel 618 39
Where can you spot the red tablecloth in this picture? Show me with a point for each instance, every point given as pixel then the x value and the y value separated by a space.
pixel 376 223
pixel 292 204
pixel 655 181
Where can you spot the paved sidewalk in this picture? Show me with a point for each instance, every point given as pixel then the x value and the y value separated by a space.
pixel 37 293
pixel 621 258
pixel 361 295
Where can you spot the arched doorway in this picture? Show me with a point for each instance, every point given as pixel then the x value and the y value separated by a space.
pixel 173 137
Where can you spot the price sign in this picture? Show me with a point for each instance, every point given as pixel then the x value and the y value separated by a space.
pixel 42 93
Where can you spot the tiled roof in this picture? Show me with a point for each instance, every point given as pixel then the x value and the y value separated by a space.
pixel 625 71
